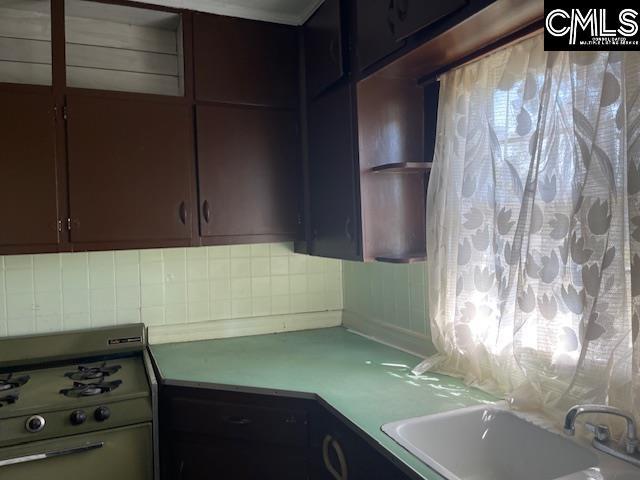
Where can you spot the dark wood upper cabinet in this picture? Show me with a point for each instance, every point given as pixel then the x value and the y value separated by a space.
pixel 245 62
pixel 377 30
pixel 130 172
pixel 324 58
pixel 248 172
pixel 411 16
pixel 28 178
pixel 333 177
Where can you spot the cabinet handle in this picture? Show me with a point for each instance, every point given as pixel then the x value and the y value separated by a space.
pixel 183 213
pixel 237 420
pixel 402 9
pixel 390 15
pixel 206 211
pixel 347 229
pixel 51 454
pixel 344 473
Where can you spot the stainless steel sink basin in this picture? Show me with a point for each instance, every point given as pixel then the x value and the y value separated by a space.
pixel 491 443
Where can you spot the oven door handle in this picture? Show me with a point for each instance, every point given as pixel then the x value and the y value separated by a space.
pixel 54 453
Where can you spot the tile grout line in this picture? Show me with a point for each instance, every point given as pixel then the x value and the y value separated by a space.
pixel 34 308
pixel 6 297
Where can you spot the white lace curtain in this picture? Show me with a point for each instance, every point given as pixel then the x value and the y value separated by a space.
pixel 534 226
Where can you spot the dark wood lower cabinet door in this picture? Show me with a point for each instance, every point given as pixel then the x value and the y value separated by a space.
pixel 333 182
pixel 228 460
pixel 131 165
pixel 28 176
pixel 248 173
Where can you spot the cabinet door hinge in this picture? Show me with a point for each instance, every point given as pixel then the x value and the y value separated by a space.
pixel 60 225
pixel 68 224
pixel 65 115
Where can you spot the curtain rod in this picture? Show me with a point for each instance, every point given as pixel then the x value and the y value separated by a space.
pixel 518 36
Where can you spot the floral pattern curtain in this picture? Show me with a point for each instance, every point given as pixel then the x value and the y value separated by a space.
pixel 534 226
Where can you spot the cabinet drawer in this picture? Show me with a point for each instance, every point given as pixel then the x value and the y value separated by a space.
pixel 240 422
pixel 236 460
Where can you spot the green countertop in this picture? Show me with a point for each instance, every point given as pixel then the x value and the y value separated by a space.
pixel 369 383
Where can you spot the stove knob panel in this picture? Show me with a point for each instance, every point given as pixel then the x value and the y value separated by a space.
pixel 78 417
pixel 102 413
pixel 35 424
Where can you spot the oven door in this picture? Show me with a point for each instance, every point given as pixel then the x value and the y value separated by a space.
pixel 120 453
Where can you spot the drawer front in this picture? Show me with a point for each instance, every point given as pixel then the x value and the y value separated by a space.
pixel 237 461
pixel 239 422
pixel 120 453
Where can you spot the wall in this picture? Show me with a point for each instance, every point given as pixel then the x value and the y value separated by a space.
pixel 388 302
pixel 162 287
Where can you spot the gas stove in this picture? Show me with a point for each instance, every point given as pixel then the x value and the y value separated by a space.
pixel 90 394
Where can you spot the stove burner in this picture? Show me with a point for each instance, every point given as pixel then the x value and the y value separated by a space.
pixel 80 389
pixel 8 400
pixel 90 373
pixel 7 382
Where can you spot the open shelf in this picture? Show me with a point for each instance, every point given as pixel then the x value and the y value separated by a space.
pixel 122 48
pixel 403 167
pixel 404 258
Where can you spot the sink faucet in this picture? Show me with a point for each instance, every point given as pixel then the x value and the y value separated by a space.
pixel 602 440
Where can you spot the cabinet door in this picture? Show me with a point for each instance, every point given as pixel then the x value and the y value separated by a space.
pixel 248 172
pixel 414 15
pixel 28 184
pixel 333 181
pixel 323 48
pixel 335 447
pixel 376 21
pixel 130 172
pixel 245 61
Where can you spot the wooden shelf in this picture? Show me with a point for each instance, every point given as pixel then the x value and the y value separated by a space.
pixel 405 258
pixel 403 167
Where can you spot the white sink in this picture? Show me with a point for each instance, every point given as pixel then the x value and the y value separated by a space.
pixel 491 443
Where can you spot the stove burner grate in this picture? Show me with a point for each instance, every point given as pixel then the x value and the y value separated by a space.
pixel 81 389
pixel 91 373
pixel 8 399
pixel 8 382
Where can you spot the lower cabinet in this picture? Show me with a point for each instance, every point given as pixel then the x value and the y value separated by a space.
pixel 338 453
pixel 207 433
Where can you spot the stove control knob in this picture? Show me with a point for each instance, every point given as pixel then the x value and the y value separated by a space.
pixel 35 424
pixel 102 413
pixel 78 417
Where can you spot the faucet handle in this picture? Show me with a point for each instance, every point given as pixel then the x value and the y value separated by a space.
pixel 631 446
pixel 601 432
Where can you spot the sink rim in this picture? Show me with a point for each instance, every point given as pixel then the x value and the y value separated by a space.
pixel 392 430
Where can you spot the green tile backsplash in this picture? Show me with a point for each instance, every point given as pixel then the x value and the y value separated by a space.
pixel 53 292
pixel 388 295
